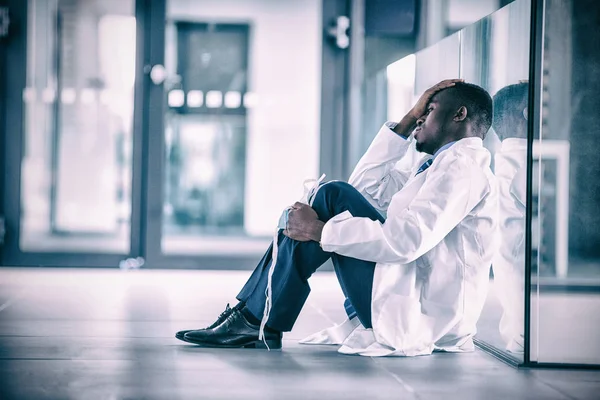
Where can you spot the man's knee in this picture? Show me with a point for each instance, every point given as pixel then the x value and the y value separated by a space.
pixel 330 191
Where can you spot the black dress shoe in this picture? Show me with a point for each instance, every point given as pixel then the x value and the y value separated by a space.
pixel 228 310
pixel 235 331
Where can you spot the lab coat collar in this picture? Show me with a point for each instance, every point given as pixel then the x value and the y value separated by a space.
pixel 444 147
pixel 480 153
pixel 470 141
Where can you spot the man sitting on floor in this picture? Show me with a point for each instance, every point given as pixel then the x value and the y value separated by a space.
pixel 411 248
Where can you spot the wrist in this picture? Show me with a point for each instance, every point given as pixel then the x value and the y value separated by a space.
pixel 405 126
pixel 316 230
pixel 410 118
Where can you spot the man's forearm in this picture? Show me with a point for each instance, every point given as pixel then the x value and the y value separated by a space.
pixel 405 126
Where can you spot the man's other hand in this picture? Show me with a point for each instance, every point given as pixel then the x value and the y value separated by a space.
pixel 303 224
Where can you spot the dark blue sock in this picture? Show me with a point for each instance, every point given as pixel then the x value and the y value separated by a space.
pixel 349 309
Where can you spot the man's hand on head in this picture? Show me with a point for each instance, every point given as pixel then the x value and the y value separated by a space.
pixel 421 107
pixel 303 224
pixel 406 125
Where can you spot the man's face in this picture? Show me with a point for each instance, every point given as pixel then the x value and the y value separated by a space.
pixel 431 130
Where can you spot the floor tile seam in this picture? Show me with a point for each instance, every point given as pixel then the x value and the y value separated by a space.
pixel 296 340
pixel 85 337
pixel 557 390
pixel 49 359
pixel 320 311
pixel 397 379
pixel 63 359
pixel 12 300
pixel 107 320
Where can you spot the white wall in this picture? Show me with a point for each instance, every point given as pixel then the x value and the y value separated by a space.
pixel 285 73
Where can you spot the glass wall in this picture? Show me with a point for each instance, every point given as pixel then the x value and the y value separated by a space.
pixel 436 63
pixel 494 54
pixel 441 18
pixel 563 317
pixel 78 111
pixel 565 296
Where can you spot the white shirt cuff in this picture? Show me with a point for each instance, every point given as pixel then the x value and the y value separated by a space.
pixel 390 125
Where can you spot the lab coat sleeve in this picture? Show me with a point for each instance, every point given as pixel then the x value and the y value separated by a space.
pixel 375 175
pixel 453 187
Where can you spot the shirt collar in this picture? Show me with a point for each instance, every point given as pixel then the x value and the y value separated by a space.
pixel 444 147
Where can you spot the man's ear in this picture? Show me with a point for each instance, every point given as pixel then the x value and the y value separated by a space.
pixel 461 114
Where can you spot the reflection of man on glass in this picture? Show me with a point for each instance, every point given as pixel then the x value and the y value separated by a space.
pixel 415 280
pixel 510 123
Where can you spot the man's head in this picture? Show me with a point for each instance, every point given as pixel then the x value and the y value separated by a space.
pixel 510 111
pixel 463 110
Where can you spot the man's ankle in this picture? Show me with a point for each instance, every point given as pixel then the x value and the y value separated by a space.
pixel 250 317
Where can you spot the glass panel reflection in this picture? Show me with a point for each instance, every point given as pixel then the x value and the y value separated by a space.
pixel 565 293
pixel 494 53
pixel 76 170
pixel 495 56
pixel 436 63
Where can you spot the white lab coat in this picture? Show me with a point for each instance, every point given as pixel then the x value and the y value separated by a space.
pixel 509 262
pixel 433 252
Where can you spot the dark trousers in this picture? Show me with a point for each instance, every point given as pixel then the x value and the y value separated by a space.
pixel 296 262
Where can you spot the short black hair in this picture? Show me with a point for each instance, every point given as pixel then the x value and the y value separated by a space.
pixel 479 105
pixel 509 103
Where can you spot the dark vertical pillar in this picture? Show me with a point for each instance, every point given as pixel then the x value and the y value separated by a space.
pixel 334 93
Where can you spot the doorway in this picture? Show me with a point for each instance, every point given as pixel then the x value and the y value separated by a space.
pixel 170 131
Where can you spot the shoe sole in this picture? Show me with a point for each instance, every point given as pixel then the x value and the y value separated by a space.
pixel 256 344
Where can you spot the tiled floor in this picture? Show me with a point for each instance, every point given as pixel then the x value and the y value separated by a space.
pixel 105 334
